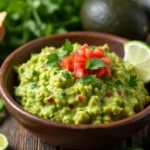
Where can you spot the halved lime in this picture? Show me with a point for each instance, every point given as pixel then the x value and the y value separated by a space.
pixel 3 142
pixel 137 53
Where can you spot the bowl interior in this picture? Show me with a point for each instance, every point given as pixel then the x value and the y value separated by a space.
pixel 22 54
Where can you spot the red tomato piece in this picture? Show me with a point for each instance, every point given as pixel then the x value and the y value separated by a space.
pixel 78 65
pixel 50 100
pixel 108 71
pixel 108 94
pixel 80 73
pixel 89 53
pixel 81 52
pixel 79 59
pixel 72 55
pixel 83 47
pixel 100 72
pixel 80 98
pixel 106 60
pixel 98 52
pixel 67 63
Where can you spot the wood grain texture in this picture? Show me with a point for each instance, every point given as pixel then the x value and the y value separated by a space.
pixel 21 139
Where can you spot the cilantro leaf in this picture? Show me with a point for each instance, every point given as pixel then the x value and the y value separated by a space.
pixel 33 95
pixel 34 86
pixel 88 78
pixel 66 75
pixel 98 85
pixel 88 63
pixel 117 83
pixel 52 59
pixel 51 116
pixel 92 47
pixel 68 46
pixel 63 94
pixel 107 80
pixel 55 73
pixel 132 82
pixel 62 54
pixel 94 63
pixel 34 72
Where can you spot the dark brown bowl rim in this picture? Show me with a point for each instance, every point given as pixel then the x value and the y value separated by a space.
pixel 5 94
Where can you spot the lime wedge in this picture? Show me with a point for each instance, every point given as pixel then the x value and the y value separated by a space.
pixel 3 142
pixel 1 105
pixel 138 54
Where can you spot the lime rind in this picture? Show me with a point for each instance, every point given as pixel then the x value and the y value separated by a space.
pixel 3 142
pixel 137 53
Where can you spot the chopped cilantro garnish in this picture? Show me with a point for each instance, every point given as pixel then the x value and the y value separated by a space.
pixel 88 78
pixel 52 59
pixel 55 73
pixel 107 80
pixel 98 85
pixel 66 75
pixel 117 83
pixel 62 94
pixel 51 116
pixel 132 82
pixel 62 54
pixel 92 47
pixel 94 63
pixel 34 86
pixel 68 46
pixel 34 72
pixel 33 95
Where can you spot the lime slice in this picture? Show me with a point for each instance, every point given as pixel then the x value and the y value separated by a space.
pixel 1 105
pixel 138 54
pixel 3 142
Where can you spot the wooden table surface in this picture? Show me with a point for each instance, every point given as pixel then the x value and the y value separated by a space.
pixel 21 139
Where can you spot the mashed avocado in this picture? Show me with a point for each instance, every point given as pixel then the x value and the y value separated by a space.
pixel 54 93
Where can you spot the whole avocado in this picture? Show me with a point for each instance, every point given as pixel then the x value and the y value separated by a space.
pixel 123 18
pixel 145 4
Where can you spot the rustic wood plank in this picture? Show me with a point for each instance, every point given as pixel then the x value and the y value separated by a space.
pixel 21 139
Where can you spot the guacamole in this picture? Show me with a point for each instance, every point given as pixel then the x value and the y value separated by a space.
pixel 47 89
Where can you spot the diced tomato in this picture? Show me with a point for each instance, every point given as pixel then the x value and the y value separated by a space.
pixel 106 60
pixel 72 55
pixel 81 52
pixel 100 72
pixel 108 71
pixel 89 53
pixel 78 65
pixel 108 94
pixel 67 63
pixel 50 100
pixel 80 73
pixel 80 98
pixel 98 52
pixel 79 59
pixel 83 47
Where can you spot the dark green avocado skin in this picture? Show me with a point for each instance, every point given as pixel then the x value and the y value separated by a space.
pixel 145 4
pixel 124 18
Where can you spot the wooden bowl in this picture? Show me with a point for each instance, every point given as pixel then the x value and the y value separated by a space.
pixel 67 135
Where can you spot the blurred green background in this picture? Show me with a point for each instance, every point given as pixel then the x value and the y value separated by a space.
pixel 30 19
